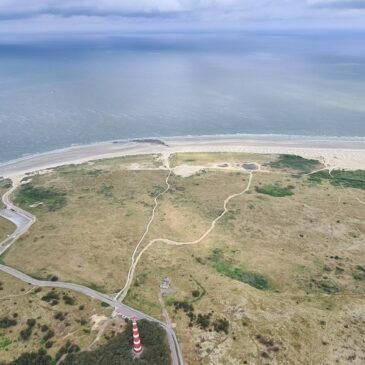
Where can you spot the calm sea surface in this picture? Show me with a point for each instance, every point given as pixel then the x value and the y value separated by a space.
pixel 55 93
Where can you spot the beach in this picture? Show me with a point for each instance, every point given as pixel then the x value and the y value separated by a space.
pixel 336 153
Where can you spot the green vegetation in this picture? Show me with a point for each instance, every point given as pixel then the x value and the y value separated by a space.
pixel 275 190
pixel 32 358
pixel 118 350
pixel 4 343
pixel 253 279
pixel 29 194
pixel 7 322
pixel 27 332
pixel 52 297
pixel 324 286
pixel 68 300
pixel 221 325
pixel 359 274
pixel 5 184
pixel 342 178
pixel 295 163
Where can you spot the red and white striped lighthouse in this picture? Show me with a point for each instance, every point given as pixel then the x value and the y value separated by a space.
pixel 137 347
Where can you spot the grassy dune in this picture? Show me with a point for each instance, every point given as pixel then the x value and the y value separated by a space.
pixel 282 275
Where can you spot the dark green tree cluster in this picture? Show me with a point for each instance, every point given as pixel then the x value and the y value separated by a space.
pixel 118 351
pixel 7 322
pixel 27 331
pixel 51 297
pixel 31 358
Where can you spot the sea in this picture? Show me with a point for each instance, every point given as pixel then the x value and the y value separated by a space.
pixel 59 91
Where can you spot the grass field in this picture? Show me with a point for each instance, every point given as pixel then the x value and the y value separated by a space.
pixel 89 234
pixel 280 280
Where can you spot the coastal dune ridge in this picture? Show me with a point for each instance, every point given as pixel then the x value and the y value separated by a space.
pixel 336 153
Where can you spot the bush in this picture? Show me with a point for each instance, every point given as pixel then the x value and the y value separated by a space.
pixel 33 358
pixel 195 293
pixel 253 279
pixel 59 316
pixel 51 296
pixel 275 190
pixel 7 322
pixel 68 300
pixel 221 325
pixel 26 333
pixel 48 336
pixel 48 344
pixel 31 322
pixel 203 320
pixel 44 328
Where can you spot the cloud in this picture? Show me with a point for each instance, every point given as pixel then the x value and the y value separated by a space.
pixel 338 4
pixel 41 15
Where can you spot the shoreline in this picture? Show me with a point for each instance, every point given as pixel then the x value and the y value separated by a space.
pixel 336 152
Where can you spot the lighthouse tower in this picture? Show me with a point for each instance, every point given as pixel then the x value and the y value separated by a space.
pixel 137 347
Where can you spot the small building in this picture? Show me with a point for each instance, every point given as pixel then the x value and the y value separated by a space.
pixel 165 283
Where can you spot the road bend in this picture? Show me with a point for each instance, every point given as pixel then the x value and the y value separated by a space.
pixel 23 221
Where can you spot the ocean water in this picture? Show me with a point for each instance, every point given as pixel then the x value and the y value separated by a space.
pixel 58 92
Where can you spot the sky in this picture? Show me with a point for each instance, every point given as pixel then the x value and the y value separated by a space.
pixel 70 16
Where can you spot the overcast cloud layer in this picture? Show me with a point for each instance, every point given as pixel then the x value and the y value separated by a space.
pixel 24 16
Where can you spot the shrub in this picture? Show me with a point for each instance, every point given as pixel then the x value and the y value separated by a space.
pixel 50 296
pixel 33 358
pixel 253 279
pixel 203 320
pixel 31 322
pixel 48 335
pixel 68 300
pixel 221 325
pixel 195 293
pixel 275 190
pixel 25 333
pixel 59 316
pixel 7 322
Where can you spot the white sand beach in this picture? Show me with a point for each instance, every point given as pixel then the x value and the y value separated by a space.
pixel 335 153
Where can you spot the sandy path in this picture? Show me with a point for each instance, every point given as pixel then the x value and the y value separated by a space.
pixel 123 293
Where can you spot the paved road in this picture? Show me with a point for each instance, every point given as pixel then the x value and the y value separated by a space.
pixel 23 220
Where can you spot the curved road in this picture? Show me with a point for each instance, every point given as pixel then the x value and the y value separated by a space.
pixel 23 220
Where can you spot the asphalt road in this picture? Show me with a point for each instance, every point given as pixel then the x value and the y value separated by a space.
pixel 23 220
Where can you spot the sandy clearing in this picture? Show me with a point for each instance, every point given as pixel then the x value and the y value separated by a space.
pixel 187 170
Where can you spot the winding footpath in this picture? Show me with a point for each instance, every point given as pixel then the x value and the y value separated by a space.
pixel 122 294
pixel 23 221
